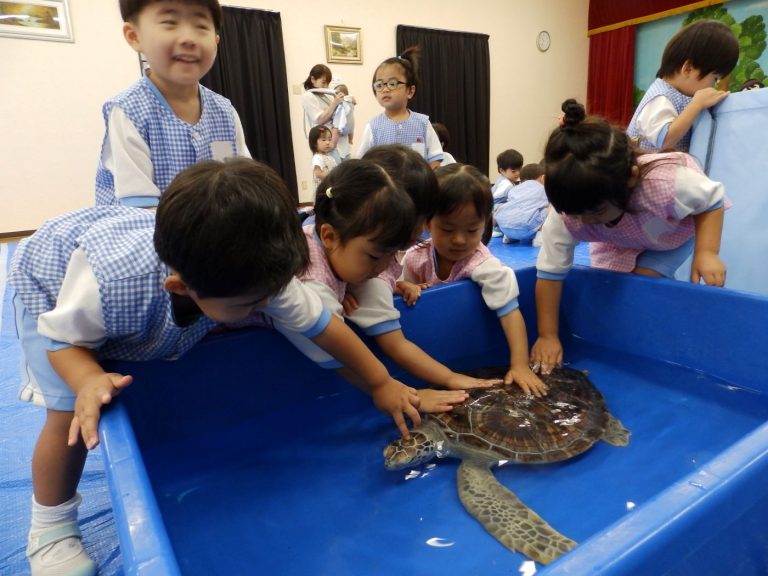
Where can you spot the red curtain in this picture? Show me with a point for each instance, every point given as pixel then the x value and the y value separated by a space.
pixel 612 74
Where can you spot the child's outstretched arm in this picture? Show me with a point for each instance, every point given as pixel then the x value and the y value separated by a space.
pixel 702 99
pixel 707 264
pixel 547 351
pixel 388 394
pixel 417 362
pixel 519 369
pixel 94 388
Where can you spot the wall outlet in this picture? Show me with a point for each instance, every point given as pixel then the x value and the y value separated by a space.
pixel 298 89
pixel 303 184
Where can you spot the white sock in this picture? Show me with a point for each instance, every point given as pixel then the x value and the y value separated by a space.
pixel 50 516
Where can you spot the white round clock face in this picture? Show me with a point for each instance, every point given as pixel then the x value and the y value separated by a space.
pixel 543 41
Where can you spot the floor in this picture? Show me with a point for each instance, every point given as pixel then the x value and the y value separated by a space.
pixel 20 423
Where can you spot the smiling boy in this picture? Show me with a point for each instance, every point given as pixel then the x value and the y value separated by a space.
pixel 166 121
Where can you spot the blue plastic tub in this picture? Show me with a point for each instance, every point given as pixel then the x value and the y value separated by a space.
pixel 242 457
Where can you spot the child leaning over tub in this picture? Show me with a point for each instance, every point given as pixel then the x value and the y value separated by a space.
pixel 321 144
pixel 167 121
pixel 113 282
pixel 694 60
pixel 394 84
pixel 370 305
pixel 455 252
pixel 641 213
pixel 362 219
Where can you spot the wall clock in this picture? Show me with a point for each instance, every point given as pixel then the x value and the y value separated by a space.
pixel 543 41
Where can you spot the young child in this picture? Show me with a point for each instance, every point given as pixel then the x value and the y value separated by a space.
pixel 455 252
pixel 508 163
pixel 320 103
pixel 394 84
pixel 445 139
pixel 166 121
pixel 641 213
pixel 113 282
pixel 362 219
pixel 321 144
pixel 694 60
pixel 344 122
pixel 520 217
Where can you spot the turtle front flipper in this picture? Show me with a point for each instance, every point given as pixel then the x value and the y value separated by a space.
pixel 506 517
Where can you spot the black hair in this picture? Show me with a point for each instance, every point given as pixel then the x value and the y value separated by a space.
pixel 442 134
pixel 359 198
pixel 587 162
pixel 751 84
pixel 130 9
pixel 531 172
pixel 710 45
pixel 408 61
pixel 315 133
pixel 317 71
pixel 461 184
pixel 411 172
pixel 230 228
pixel 509 159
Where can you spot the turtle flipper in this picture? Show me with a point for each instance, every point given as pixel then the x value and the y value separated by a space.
pixel 615 434
pixel 506 517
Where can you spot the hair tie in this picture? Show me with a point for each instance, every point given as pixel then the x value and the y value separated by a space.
pixel 328 192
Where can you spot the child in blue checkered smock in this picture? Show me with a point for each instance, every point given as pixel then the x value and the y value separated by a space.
pixel 394 84
pixel 114 282
pixel 166 121
pixel 694 60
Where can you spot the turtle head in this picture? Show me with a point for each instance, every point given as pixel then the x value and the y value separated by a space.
pixel 411 451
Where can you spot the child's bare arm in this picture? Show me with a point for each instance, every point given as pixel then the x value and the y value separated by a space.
pixel 93 387
pixel 520 371
pixel 547 351
pixel 707 264
pixel 417 362
pixel 319 173
pixel 702 99
pixel 388 394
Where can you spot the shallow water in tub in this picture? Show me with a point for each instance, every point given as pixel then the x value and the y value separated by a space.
pixel 303 490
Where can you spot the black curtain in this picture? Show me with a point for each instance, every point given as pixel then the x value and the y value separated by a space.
pixel 250 71
pixel 455 87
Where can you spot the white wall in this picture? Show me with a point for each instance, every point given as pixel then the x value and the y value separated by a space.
pixel 51 93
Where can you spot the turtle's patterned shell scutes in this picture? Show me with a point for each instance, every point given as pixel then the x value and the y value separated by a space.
pixel 503 423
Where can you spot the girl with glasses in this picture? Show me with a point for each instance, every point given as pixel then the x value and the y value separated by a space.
pixel 394 84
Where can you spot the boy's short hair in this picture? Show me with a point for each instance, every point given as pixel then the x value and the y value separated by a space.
pixel 531 172
pixel 509 159
pixel 230 228
pixel 710 45
pixel 342 88
pixel 130 9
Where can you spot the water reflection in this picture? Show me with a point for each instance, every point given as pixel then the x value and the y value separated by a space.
pixel 440 542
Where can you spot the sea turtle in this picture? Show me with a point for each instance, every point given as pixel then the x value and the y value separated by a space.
pixel 503 424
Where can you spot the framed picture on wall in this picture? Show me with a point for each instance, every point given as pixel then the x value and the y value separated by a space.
pixel 37 20
pixel 343 45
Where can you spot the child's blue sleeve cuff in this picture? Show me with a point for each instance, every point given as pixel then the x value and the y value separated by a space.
pixel 510 306
pixel 320 325
pixel 140 201
pixel 330 364
pixel 662 136
pixel 549 275
pixel 382 328
pixel 435 158
pixel 715 206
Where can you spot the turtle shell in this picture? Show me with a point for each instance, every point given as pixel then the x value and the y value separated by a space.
pixel 504 423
